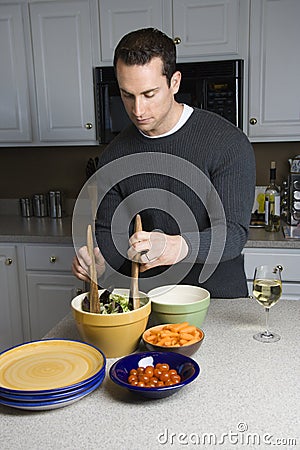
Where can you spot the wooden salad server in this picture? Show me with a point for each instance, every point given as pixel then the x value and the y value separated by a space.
pixel 134 296
pixel 93 296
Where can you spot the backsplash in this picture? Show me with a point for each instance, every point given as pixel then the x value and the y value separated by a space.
pixel 25 171
pixel 11 206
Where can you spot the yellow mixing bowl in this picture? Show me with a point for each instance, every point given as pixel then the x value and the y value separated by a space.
pixel 115 334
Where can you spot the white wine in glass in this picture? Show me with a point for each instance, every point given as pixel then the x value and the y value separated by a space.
pixel 267 289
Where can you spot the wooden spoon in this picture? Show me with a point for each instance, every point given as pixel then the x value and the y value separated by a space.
pixel 93 296
pixel 134 285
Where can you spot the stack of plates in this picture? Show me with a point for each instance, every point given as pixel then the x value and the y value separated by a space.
pixel 49 374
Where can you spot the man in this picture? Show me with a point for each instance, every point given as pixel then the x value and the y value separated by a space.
pixel 193 182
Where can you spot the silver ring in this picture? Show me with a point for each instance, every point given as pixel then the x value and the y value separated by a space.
pixel 145 252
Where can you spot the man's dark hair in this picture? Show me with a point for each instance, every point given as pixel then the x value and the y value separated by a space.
pixel 140 46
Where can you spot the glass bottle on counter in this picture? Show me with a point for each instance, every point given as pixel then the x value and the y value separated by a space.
pixel 272 202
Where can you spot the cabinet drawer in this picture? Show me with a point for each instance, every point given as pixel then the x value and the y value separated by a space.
pixel 56 258
pixel 288 259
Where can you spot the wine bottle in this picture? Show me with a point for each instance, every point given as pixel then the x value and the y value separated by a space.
pixel 272 202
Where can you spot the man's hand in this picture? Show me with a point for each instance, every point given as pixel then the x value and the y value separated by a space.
pixel 156 249
pixel 80 264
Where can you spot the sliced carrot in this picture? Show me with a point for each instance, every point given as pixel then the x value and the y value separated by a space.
pixel 174 335
pixel 190 329
pixel 177 326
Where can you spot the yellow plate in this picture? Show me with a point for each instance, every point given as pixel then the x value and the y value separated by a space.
pixel 49 364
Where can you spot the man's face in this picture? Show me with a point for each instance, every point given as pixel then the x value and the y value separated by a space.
pixel 147 98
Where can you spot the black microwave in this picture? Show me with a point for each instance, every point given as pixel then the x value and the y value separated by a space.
pixel 212 85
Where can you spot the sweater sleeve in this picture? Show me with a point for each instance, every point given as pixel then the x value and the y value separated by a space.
pixel 233 177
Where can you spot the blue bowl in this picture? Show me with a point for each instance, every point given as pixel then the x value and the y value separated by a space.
pixel 186 367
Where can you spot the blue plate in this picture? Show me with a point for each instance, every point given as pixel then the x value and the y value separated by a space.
pixel 186 367
pixel 49 366
pixel 25 397
pixel 51 404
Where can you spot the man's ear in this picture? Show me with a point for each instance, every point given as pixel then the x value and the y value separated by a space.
pixel 175 81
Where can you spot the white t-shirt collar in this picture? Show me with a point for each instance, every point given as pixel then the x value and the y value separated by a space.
pixel 186 113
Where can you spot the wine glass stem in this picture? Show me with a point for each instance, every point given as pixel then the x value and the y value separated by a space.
pixel 267 332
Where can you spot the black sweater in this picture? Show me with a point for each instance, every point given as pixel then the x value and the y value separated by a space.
pixel 198 182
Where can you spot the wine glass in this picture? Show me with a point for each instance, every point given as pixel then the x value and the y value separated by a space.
pixel 267 289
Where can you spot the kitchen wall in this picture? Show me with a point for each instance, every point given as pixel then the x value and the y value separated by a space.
pixel 25 171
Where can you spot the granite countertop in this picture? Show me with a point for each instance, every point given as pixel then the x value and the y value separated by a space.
pixel 17 229
pixel 247 395
pixel 258 237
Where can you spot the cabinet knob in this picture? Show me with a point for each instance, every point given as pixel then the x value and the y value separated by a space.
pixel 8 261
pixel 79 291
pixel 88 125
pixel 177 40
pixel 253 121
pixel 52 259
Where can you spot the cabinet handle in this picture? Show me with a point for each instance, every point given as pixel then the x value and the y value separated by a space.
pixel 88 125
pixel 177 40
pixel 253 121
pixel 52 259
pixel 8 261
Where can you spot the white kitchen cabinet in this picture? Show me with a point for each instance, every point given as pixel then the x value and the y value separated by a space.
pixel 37 287
pixel 289 259
pixel 11 331
pixel 52 102
pixel 50 285
pixel 49 300
pixel 203 29
pixel 274 71
pixel 62 53
pixel 211 29
pixel 15 119
pixel 118 18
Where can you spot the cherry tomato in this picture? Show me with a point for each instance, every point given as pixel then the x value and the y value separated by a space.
pixel 157 372
pixel 132 378
pixel 164 367
pixel 144 378
pixel 164 377
pixel 176 378
pixel 149 371
pixel 158 376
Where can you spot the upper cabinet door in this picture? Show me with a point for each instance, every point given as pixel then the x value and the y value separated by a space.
pixel 118 18
pixel 62 52
pixel 274 64
pixel 210 28
pixel 15 121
